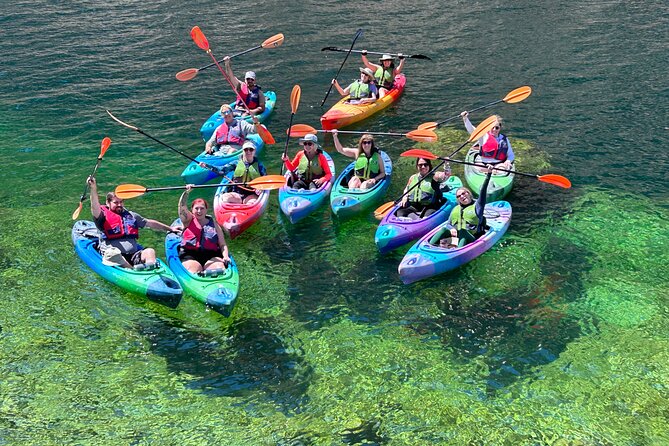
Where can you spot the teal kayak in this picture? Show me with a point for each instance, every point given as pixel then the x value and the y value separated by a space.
pixel 216 119
pixel 500 183
pixel 217 291
pixel 346 202
pixel 158 284
pixel 298 203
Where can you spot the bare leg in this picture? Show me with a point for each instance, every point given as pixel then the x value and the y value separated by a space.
pixel 231 197
pixel 148 255
pixel 354 183
pixel 214 263
pixel 192 266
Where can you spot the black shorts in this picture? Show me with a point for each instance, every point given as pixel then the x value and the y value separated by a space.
pixel 201 257
pixel 134 258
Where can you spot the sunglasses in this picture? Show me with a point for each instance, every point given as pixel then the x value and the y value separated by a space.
pixel 249 150
pixel 250 79
pixel 367 142
pixel 307 143
pixel 461 194
pixel 422 164
pixel 497 127
pixel 226 113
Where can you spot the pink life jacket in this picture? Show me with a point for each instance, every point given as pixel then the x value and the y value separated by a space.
pixel 493 149
pixel 229 134
pixel 200 238
pixel 250 97
pixel 119 225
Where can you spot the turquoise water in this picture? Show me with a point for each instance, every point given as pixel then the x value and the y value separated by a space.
pixel 557 336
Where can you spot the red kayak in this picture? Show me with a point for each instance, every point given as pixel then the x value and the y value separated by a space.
pixel 236 218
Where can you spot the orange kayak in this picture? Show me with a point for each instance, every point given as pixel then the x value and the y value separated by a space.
pixel 343 114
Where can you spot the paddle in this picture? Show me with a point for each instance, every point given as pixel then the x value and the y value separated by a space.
pixel 190 73
pixel 202 42
pixel 556 180
pixel 106 142
pixel 357 34
pixel 294 103
pixel 416 135
pixel 268 182
pixel 514 96
pixel 408 56
pixel 138 130
pixel 482 129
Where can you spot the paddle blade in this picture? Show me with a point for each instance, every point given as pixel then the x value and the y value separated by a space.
pixel 199 38
pixel 77 211
pixel 273 42
pixel 420 153
pixel 428 126
pixel 420 56
pixel 125 191
pixel 187 74
pixel 517 95
pixel 383 210
pixel 265 135
pixel 422 135
pixel 482 128
pixel 268 182
pixel 295 98
pixel 104 145
pixel 300 130
pixel 556 180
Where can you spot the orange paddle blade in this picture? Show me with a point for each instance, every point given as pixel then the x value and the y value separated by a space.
pixel 199 38
pixel 106 142
pixel 383 210
pixel 421 135
pixel 517 95
pixel 77 211
pixel 420 153
pixel 295 98
pixel 273 42
pixel 187 74
pixel 265 135
pixel 301 129
pixel 428 126
pixel 557 180
pixel 482 128
pixel 268 182
pixel 125 191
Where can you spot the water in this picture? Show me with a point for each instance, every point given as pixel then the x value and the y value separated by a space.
pixel 557 336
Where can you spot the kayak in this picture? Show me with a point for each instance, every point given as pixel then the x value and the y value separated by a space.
pixel 394 231
pixel 217 119
pixel 346 202
pixel 500 183
pixel 235 218
pixel 159 285
pixel 298 203
pixel 343 114
pixel 195 174
pixel 425 259
pixel 218 291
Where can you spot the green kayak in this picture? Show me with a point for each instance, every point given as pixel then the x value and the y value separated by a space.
pixel 500 184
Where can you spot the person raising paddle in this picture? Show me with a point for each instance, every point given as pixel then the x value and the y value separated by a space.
pixel 248 92
pixel 246 168
pixel 494 147
pixel 361 91
pixel 384 74
pixel 119 229
pixel 369 168
pixel 310 167
pixel 230 135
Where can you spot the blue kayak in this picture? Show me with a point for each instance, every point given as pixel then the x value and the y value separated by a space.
pixel 216 119
pixel 158 284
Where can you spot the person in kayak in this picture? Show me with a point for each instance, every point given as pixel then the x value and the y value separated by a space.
pixel 385 72
pixel 494 147
pixel 424 199
pixel 247 92
pixel 310 168
pixel 369 168
pixel 203 245
pixel 119 229
pixel 361 91
pixel 466 222
pixel 246 168
pixel 230 135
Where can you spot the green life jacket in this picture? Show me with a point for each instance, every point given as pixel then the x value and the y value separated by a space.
pixel 422 194
pixel 243 173
pixel 464 218
pixel 366 168
pixel 384 78
pixel 310 170
pixel 359 90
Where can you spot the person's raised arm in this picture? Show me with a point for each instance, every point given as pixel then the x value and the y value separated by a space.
pixel 95 199
pixel 228 71
pixel 184 213
pixel 346 151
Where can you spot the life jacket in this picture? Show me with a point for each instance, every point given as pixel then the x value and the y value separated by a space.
pixel 464 218
pixel 200 238
pixel 359 90
pixel 229 134
pixel 310 169
pixel 119 225
pixel 423 194
pixel 244 173
pixel 495 149
pixel 365 168
pixel 251 97
pixel 384 77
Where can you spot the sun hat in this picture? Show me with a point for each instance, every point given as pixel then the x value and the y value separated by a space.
pixel 248 144
pixel 250 75
pixel 386 57
pixel 309 137
pixel 367 71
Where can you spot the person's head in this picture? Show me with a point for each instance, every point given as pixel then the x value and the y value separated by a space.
pixel 366 144
pixel 463 196
pixel 250 78
pixel 366 75
pixel 444 242
pixel 226 112
pixel 497 126
pixel 423 166
pixel 199 207
pixel 249 149
pixel 114 203
pixel 309 143
pixel 387 61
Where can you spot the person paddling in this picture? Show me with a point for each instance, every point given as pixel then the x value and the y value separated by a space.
pixel 368 169
pixel 230 135
pixel 203 245
pixel 361 91
pixel 385 72
pixel 310 167
pixel 248 92
pixel 246 168
pixel 120 231
pixel 426 198
pixel 494 146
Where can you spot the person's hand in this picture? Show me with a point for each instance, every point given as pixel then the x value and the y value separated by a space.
pixel 209 150
pixel 284 157
pixel 226 260
pixel 464 114
pixel 226 59
pixel 189 187
pixel 401 56
pixel 440 177
pixel 334 82
pixel 335 133
pixel 318 182
pixel 454 232
pixel 91 181
pixel 490 168
pixel 257 192
pixel 364 52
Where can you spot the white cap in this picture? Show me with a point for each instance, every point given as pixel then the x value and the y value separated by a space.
pixel 250 75
pixel 310 137
pixel 248 144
